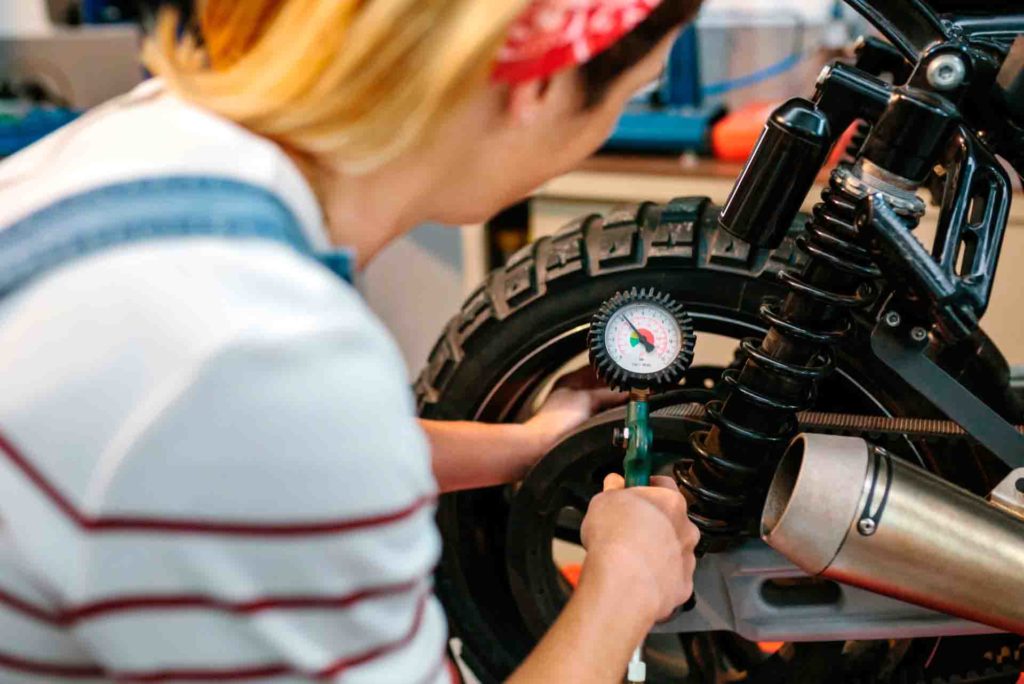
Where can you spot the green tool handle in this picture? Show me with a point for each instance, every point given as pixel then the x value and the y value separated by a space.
pixel 637 464
pixel 637 469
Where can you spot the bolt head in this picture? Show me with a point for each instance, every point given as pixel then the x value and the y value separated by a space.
pixel 919 334
pixel 866 527
pixel 946 72
pixel 620 437
pixel 893 319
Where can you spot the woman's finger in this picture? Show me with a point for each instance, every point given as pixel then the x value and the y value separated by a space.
pixel 613 481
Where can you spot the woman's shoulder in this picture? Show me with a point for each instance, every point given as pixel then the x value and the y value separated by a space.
pixel 144 134
pixel 170 350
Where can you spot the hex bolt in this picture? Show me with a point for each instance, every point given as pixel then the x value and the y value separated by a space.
pixel 919 334
pixel 892 319
pixel 946 72
pixel 866 527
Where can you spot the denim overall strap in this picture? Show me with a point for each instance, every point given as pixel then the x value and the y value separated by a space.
pixel 149 209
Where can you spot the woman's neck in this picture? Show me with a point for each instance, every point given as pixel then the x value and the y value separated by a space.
pixel 367 211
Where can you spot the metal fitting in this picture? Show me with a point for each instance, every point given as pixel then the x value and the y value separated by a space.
pixel 919 334
pixel 620 437
pixel 893 319
pixel 826 71
pixel 946 72
pixel 866 178
pixel 1009 494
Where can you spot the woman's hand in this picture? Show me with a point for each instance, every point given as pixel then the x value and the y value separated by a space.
pixel 641 539
pixel 576 398
pixel 466 455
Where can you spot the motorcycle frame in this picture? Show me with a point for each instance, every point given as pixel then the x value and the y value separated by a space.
pixel 943 293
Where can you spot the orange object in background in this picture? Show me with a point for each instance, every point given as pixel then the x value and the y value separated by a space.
pixel 734 136
pixel 571 573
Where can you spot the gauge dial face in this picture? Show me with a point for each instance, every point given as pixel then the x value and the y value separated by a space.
pixel 643 338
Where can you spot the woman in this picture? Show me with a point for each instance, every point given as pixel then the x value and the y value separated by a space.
pixel 209 458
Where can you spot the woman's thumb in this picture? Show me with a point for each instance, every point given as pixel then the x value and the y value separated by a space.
pixel 614 481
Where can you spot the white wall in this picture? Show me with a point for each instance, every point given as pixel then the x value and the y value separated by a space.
pixel 415 286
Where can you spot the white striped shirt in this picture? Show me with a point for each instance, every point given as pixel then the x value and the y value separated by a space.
pixel 210 468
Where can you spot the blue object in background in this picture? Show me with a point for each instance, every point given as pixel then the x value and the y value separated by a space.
pixel 18 131
pixel 681 86
pixel 108 11
pixel 674 117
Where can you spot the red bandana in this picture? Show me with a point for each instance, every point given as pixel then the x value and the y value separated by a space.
pixel 554 34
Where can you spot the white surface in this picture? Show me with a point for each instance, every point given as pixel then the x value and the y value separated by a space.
pixel 809 10
pixel 237 399
pixel 24 18
pixel 658 328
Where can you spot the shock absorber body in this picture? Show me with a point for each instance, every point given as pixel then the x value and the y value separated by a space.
pixel 780 374
pixel 728 477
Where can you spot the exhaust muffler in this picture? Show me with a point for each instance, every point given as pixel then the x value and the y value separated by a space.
pixel 846 510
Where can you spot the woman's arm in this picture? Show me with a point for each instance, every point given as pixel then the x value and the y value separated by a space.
pixel 639 566
pixel 466 455
pixel 594 636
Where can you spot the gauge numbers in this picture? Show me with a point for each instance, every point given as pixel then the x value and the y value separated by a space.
pixel 643 338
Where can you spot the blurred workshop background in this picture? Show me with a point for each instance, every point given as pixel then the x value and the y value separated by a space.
pixel 687 135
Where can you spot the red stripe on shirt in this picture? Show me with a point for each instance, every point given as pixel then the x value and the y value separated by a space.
pixel 25 608
pixel 192 602
pixel 196 526
pixel 35 667
pixel 281 669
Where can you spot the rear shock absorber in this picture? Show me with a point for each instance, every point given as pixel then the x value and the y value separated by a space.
pixel 733 461
pixel 781 372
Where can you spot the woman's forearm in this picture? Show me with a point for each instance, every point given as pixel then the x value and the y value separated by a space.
pixel 593 638
pixel 466 455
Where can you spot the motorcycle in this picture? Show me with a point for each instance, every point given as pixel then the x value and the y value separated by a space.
pixel 857 473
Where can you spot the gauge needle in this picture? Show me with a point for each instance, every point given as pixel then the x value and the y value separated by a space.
pixel 643 340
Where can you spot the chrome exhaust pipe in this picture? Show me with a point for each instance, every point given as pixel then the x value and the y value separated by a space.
pixel 846 510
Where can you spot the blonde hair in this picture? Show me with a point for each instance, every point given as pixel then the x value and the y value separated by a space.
pixel 363 80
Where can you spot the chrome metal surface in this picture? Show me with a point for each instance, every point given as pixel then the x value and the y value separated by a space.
pixel 1009 494
pixel 808 510
pixel 933 543
pixel 754 591
pixel 946 72
pixel 866 178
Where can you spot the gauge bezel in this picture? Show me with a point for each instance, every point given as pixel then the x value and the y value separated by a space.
pixel 619 378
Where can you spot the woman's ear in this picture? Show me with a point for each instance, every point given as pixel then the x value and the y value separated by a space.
pixel 527 100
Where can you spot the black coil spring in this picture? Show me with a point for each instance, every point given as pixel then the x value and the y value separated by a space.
pixel 721 485
pixel 860 136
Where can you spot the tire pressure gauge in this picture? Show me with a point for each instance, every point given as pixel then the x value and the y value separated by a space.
pixel 641 340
